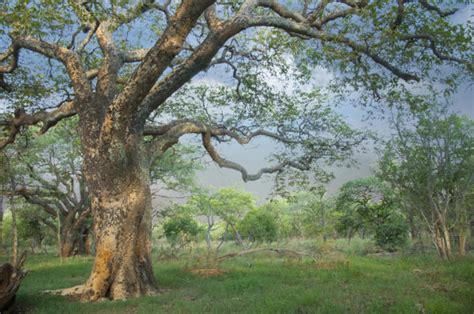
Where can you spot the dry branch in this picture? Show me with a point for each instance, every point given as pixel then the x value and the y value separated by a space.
pixel 287 252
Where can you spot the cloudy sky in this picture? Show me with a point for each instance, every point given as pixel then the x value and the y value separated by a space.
pixel 253 155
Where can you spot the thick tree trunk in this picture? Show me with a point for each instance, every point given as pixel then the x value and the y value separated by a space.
pixel 119 188
pixel 72 241
pixel 67 245
pixel 122 266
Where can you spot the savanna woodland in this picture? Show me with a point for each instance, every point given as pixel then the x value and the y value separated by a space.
pixel 116 115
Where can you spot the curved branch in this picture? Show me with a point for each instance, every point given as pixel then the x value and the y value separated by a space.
pixel 158 58
pixel 71 61
pixel 433 46
pixel 224 163
pixel 49 119
pixel 13 52
pixel 431 7
pixel 304 30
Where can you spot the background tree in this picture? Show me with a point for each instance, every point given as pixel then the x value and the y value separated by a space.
pixel 259 225
pixel 429 160
pixel 368 204
pixel 228 205
pixel 121 88
pixel 48 173
pixel 180 230
pixel 32 231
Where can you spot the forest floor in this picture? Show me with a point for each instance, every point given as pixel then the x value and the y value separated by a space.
pixel 264 283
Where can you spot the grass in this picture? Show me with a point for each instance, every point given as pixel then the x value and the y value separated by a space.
pixel 264 283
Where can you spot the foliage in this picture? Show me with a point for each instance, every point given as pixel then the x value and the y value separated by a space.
pixel 181 230
pixel 368 204
pixel 392 234
pixel 429 161
pixel 259 225
pixel 176 168
pixel 29 225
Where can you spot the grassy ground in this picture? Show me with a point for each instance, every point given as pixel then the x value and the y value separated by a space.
pixel 263 283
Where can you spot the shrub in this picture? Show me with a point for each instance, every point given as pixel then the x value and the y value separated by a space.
pixel 392 234
pixel 259 226
pixel 180 230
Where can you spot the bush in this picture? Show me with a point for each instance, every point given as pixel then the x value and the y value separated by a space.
pixel 181 230
pixel 391 235
pixel 259 226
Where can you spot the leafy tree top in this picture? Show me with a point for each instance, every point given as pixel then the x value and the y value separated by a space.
pixel 132 68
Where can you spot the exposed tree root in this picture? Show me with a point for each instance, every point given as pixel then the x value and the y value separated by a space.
pixel 79 292
pixel 73 292
pixel 287 252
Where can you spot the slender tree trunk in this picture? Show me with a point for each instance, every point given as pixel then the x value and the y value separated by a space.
pixel 2 247
pixel 447 240
pixel 323 223
pixel 442 241
pixel 14 257
pixel 462 242
pixel 88 243
pixel 119 185
pixel 210 224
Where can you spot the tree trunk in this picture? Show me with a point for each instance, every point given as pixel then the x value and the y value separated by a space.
pixel 210 224
pixel 462 243
pixel 81 247
pixel 442 241
pixel 14 257
pixel 72 241
pixel 67 245
pixel 119 188
pixel 2 247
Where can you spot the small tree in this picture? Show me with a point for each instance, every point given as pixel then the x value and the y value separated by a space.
pixel 430 162
pixel 181 230
pixel 259 225
pixel 368 204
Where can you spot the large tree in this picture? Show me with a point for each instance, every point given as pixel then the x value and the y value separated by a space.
pixel 117 64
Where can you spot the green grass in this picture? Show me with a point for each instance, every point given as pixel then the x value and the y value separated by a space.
pixel 268 284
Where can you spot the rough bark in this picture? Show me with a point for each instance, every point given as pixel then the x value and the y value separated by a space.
pixel 73 240
pixel 11 276
pixel 121 206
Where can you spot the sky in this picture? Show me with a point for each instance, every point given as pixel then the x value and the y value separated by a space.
pixel 253 156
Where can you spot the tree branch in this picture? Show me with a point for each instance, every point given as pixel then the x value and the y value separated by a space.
pixel 71 61
pixel 156 61
pixel 48 119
